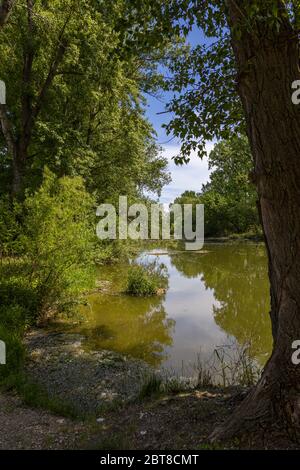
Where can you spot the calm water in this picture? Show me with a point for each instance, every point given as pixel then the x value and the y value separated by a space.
pixel 213 299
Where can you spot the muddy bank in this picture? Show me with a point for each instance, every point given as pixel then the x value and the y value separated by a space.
pixel 87 380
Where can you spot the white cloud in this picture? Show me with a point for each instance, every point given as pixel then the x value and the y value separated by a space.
pixel 185 177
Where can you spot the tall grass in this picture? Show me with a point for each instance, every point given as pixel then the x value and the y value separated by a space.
pixel 229 365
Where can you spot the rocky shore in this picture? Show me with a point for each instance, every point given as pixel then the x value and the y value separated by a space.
pixel 87 380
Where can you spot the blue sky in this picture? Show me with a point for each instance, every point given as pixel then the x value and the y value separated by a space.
pixel 185 177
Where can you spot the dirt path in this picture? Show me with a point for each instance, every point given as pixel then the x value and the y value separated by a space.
pixel 182 422
pixel 26 428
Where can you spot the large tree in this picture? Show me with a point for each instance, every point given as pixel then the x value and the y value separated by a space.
pixel 241 78
pixel 75 74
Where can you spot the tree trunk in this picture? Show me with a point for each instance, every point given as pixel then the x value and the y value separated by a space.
pixel 268 62
pixel 5 11
pixel 17 151
pixel 18 166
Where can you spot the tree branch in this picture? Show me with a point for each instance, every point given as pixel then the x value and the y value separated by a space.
pixel 26 99
pixel 51 74
pixel 62 47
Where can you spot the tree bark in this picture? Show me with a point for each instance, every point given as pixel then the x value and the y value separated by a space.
pixel 5 11
pixel 267 59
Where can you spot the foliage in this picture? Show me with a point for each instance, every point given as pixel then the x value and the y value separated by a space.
pixel 14 348
pixel 74 104
pixel 9 226
pixel 58 241
pixel 229 198
pixel 206 105
pixel 145 280
pixel 55 250
pixel 75 75
pixel 151 387
pixel 36 396
pixel 15 304
pixel 54 264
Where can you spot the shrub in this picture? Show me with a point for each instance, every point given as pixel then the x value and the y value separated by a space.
pixel 9 226
pixel 55 262
pixel 145 280
pixel 14 350
pixel 152 386
pixel 17 294
pixel 113 251
pixel 58 242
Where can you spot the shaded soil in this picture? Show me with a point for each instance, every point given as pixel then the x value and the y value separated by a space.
pixel 183 422
pixel 26 428
pixel 178 422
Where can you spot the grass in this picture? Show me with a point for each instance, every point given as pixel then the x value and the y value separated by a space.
pixel 151 387
pixel 35 396
pixel 255 235
pixel 118 441
pixel 230 365
pixel 18 304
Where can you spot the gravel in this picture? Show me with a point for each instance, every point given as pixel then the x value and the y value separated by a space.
pixel 87 380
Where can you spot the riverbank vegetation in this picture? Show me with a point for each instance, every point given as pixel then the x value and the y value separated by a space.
pixel 146 280
pixel 49 259
pixel 229 197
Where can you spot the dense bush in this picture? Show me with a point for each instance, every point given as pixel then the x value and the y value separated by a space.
pixel 48 264
pixel 12 326
pixel 145 280
pixel 14 351
pixel 9 226
pixel 58 242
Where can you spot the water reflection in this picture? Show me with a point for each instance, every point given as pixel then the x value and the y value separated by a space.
pixel 211 296
pixel 138 327
pixel 237 274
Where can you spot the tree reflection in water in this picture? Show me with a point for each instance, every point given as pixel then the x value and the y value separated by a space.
pixel 237 274
pixel 235 279
pixel 130 325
